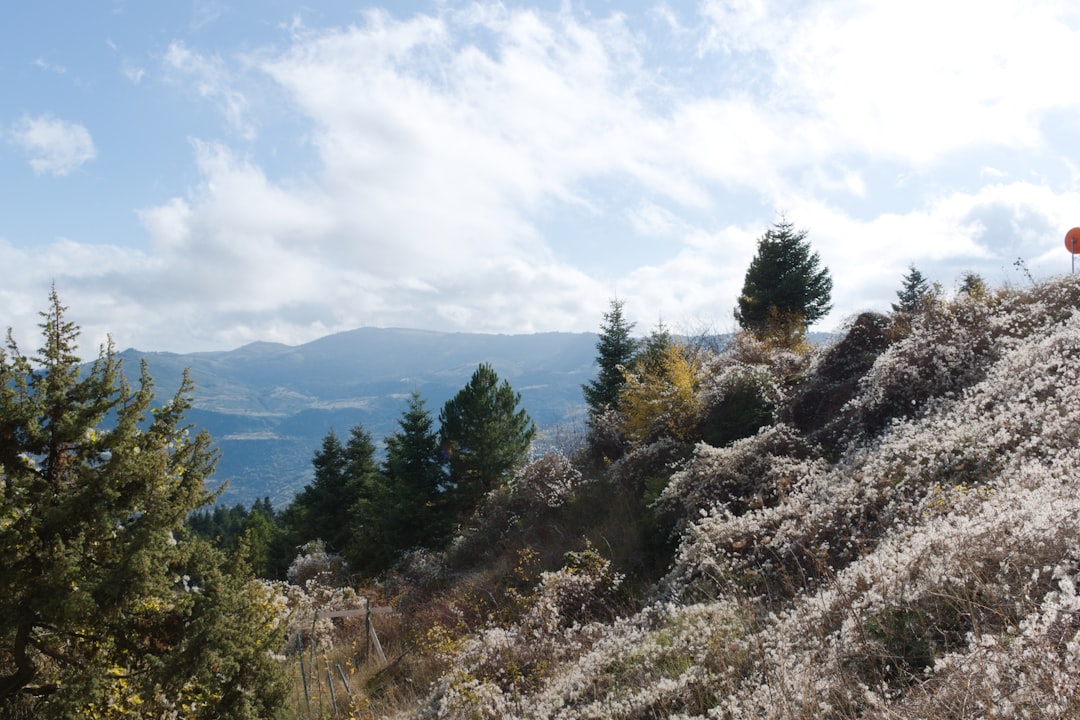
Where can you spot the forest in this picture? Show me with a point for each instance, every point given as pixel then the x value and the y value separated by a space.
pixel 884 526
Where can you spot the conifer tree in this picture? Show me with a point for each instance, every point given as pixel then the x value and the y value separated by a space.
pixel 915 291
pixel 785 290
pixel 484 435
pixel 107 606
pixel 615 349
pixel 653 353
pixel 416 480
pixel 326 509
pixel 972 285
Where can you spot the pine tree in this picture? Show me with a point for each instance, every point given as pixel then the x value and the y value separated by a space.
pixel 652 355
pixel 106 604
pixel 615 350
pixel 972 285
pixel 416 480
pixel 484 435
pixel 915 291
pixel 785 290
pixel 326 509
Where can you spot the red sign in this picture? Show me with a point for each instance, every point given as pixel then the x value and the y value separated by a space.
pixel 1072 240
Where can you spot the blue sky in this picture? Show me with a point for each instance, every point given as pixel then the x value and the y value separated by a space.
pixel 196 176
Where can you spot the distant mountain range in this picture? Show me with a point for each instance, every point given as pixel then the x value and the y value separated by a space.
pixel 268 406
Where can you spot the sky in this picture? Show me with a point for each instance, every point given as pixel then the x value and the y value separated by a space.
pixel 195 176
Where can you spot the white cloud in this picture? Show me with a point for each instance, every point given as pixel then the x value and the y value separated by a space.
pixel 910 81
pixel 212 81
pixel 449 152
pixel 54 146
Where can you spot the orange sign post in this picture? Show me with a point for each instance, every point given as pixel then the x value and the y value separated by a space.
pixel 1072 242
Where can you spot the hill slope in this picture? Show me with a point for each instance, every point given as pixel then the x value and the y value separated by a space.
pixel 900 541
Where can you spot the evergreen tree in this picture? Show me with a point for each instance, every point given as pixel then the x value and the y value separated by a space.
pixel 484 435
pixel 972 285
pixel 415 481
pixel 326 509
pixel 107 606
pixel 915 291
pixel 785 289
pixel 407 506
pixel 652 356
pixel 236 528
pixel 615 349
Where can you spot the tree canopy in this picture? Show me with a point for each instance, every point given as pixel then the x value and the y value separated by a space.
pixel 108 608
pixel 914 292
pixel 484 435
pixel 415 482
pixel 615 349
pixel 785 289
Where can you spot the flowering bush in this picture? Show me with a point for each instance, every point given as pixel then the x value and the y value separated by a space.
pixel 547 481
pixel 314 565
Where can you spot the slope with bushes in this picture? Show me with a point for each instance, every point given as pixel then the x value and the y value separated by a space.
pixel 887 527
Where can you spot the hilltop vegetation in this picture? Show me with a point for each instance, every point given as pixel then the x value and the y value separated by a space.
pixel 893 535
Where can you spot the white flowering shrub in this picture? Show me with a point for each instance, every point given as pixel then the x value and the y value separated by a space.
pixel 314 565
pixel 738 399
pixel 302 610
pixel 644 462
pixel 833 378
pixel 749 474
pixel 493 671
pixel 546 481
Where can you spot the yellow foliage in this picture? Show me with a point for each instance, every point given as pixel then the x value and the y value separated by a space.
pixel 662 401
pixel 784 330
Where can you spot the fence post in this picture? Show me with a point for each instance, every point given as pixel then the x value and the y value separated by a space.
pixel 303 672
pixel 330 683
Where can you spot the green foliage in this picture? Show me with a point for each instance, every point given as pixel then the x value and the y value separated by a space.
pixel 914 293
pixel 326 509
pixel 107 608
pixel 652 354
pixel 615 349
pixel 785 284
pixel 742 410
pixel 484 435
pixel 408 506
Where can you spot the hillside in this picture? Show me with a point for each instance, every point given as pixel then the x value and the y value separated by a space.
pixel 267 406
pixel 899 539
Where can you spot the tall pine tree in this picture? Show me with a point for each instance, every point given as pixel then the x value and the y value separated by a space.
pixel 915 291
pixel 785 289
pixel 615 350
pixel 484 435
pixel 409 507
pixel 326 509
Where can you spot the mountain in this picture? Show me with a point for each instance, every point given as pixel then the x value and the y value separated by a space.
pixel 268 406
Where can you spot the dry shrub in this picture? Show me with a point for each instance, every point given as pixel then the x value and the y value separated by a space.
pixel 834 377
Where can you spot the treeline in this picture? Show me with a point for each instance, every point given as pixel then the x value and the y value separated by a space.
pixel 370 511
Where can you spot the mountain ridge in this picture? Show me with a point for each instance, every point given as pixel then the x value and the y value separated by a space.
pixel 267 405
